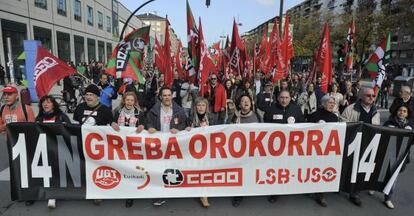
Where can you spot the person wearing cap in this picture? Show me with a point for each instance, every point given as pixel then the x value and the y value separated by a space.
pixel 108 92
pixel 92 111
pixel 13 111
pixel 264 99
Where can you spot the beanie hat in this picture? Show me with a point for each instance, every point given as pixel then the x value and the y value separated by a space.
pixel 93 89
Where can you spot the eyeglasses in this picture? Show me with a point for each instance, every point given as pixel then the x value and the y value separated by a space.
pixel 370 95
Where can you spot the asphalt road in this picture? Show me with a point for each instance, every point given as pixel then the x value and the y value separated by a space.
pixel 338 203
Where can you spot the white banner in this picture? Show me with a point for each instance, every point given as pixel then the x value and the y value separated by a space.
pixel 224 160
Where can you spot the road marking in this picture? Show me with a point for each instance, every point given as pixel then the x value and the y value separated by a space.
pixel 5 174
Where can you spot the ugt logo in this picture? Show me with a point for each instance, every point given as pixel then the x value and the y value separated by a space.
pixel 106 177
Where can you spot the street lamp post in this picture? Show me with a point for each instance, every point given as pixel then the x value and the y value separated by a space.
pixel 280 17
pixel 129 18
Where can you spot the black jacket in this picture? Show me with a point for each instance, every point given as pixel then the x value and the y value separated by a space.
pixel 396 104
pixel 279 114
pixel 324 115
pixel 264 101
pixel 102 115
pixel 59 117
pixel 178 121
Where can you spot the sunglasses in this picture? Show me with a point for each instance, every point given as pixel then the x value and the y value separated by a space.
pixel 369 95
pixel 213 79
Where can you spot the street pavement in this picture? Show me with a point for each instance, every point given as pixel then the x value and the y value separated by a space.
pixel 338 203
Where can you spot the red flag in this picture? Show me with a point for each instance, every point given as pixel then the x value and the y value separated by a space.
pixel 178 65
pixel 159 56
pixel 324 59
pixel 287 46
pixel 276 57
pixel 237 51
pixel 216 56
pixel 264 53
pixel 168 73
pixel 206 64
pixel 48 70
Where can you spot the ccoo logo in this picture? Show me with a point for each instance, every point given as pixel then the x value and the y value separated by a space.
pixel 106 177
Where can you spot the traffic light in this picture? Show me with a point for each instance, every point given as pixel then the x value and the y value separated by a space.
pixel 207 3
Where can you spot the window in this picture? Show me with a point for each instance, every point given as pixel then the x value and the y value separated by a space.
pixel 79 48
pixel 43 35
pixel 115 27
pixel 78 11
pixel 108 50
pixel 100 20
pixel 91 49
pixel 108 24
pixel 63 45
pixel 61 7
pixel 90 15
pixel 158 23
pixel 41 4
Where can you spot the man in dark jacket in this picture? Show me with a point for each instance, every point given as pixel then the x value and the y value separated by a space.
pixel 166 115
pixel 176 88
pixel 284 111
pixel 264 99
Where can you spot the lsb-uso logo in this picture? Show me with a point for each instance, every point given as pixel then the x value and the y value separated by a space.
pixel 203 178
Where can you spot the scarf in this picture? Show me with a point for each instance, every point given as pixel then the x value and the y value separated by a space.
pixel 127 117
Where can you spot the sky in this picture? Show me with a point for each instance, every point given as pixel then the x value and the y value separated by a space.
pixel 217 20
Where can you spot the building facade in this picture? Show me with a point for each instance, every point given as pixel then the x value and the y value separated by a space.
pixel 73 30
pixel 158 29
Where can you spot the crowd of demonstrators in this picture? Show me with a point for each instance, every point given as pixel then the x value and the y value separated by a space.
pixel 154 107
